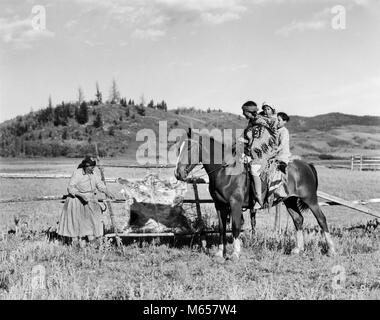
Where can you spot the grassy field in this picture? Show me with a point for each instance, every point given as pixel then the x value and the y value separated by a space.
pixel 172 269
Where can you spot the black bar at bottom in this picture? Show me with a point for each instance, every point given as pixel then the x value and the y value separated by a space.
pixel 197 309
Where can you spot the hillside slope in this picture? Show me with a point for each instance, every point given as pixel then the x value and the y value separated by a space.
pixel 114 128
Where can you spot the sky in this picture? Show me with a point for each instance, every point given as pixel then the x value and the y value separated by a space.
pixel 304 57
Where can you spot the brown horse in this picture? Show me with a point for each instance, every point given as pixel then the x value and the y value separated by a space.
pixel 230 192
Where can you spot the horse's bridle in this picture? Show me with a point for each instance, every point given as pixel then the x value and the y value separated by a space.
pixel 191 166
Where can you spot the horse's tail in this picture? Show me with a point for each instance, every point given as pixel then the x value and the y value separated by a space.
pixel 315 174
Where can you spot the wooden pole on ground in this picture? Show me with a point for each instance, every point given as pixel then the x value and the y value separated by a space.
pixel 349 204
pixel 107 201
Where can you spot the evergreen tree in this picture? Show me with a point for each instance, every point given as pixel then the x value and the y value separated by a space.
pixel 164 105
pixel 82 115
pixel 151 104
pixel 142 100
pixel 98 94
pixel 64 134
pixel 50 105
pixel 123 102
pixel 98 122
pixel 115 94
pixel 140 110
pixel 61 115
pixel 80 96
pixel 48 115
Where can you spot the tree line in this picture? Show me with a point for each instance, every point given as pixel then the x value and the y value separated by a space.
pixel 79 110
pixel 19 138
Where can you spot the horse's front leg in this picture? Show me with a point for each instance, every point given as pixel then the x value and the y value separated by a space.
pixel 253 221
pixel 236 207
pixel 222 246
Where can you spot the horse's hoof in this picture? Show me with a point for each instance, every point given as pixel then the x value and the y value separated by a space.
pixel 219 255
pixel 234 257
pixel 331 252
pixel 220 259
pixel 204 250
pixel 297 251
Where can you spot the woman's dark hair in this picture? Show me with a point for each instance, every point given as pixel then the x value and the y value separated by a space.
pixel 87 162
pixel 283 116
pixel 249 104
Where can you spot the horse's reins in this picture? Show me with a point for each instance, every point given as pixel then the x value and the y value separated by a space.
pixel 207 173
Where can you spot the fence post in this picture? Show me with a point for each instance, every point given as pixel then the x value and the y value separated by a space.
pixel 196 197
pixel 107 201
pixel 199 215
pixel 277 218
pixel 361 162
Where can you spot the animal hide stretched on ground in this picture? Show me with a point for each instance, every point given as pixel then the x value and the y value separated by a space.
pixel 155 205
pixel 152 189
pixel 149 217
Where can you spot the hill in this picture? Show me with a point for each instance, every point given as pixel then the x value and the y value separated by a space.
pixel 63 131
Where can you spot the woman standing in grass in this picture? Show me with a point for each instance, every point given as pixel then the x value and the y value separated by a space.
pixel 81 214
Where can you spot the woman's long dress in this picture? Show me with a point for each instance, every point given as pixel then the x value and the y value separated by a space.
pixel 78 219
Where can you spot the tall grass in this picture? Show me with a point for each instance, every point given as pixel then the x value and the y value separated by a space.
pixel 160 270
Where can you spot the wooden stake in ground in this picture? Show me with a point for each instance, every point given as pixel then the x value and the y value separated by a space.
pixel 107 201
pixel 277 218
pixel 199 215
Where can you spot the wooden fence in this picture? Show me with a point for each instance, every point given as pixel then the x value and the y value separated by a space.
pixel 360 162
pixel 355 162
pixel 329 200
